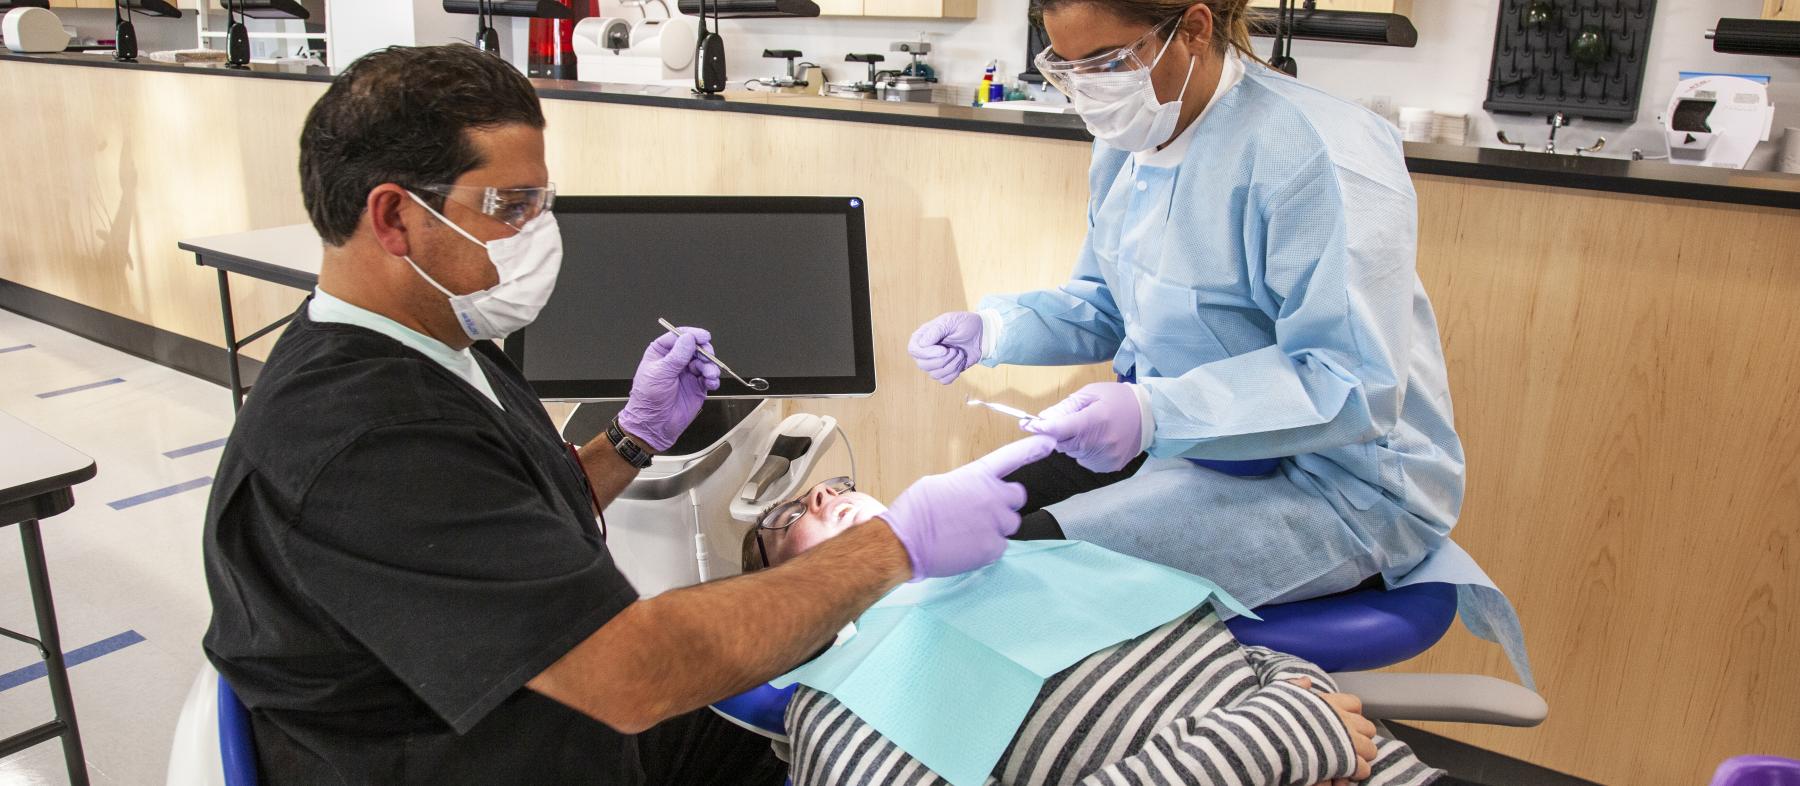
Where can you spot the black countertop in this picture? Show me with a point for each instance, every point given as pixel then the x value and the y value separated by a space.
pixel 1647 178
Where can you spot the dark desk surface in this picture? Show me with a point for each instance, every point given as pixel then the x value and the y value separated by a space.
pixel 33 464
pixel 1646 178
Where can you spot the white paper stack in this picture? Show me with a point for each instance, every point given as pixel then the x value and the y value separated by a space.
pixel 1416 123
pixel 1449 129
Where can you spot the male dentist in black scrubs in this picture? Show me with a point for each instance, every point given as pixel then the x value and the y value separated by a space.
pixel 408 584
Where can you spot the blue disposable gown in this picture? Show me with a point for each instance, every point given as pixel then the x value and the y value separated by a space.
pixel 1262 289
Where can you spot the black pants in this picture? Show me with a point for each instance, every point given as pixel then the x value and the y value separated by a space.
pixel 703 749
pixel 1053 480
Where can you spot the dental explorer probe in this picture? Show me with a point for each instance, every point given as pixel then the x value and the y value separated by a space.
pixel 753 383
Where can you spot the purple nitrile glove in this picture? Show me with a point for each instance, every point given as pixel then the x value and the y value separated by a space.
pixel 1100 426
pixel 948 345
pixel 669 387
pixel 960 520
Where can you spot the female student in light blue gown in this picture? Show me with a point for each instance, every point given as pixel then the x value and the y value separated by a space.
pixel 1282 421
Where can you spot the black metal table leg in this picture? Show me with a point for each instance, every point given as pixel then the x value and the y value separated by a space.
pixel 231 344
pixel 57 674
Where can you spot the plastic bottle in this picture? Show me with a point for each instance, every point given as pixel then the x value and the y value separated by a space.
pixel 987 84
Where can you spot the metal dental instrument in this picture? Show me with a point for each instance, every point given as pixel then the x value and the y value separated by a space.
pixel 1002 409
pixel 753 383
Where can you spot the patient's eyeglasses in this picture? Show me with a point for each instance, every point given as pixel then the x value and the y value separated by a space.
pixel 782 516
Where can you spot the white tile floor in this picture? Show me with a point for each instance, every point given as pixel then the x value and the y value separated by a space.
pixel 135 569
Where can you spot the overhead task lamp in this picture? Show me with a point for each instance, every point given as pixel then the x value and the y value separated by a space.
pixel 752 9
pixel 486 10
pixel 709 49
pixel 125 48
pixel 237 36
pixel 1347 27
pixel 1769 37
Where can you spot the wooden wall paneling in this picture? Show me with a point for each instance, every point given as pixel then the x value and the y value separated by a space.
pixel 1632 421
pixel 119 166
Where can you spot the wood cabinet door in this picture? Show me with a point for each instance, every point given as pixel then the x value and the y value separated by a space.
pixel 840 7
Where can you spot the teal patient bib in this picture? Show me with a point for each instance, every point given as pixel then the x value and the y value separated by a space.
pixel 948 668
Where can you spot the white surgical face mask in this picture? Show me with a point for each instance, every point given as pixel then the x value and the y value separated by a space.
pixel 528 264
pixel 1121 109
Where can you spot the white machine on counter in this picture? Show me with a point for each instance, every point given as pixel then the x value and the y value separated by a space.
pixel 642 52
pixel 1717 119
pixel 34 30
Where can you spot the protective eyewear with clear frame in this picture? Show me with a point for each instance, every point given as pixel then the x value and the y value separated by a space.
pixel 782 516
pixel 514 207
pixel 1065 74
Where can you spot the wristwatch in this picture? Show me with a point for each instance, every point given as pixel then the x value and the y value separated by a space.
pixel 627 448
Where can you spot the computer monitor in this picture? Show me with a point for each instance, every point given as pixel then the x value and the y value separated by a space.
pixel 782 283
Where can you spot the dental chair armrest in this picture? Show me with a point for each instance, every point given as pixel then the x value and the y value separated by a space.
pixel 1458 698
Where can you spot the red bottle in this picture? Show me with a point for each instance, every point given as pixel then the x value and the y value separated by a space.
pixel 553 41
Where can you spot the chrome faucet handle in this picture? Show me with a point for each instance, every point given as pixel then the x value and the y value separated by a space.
pixel 1597 146
pixel 1505 141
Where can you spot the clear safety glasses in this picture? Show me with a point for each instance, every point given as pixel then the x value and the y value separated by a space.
pixel 782 516
pixel 1065 75
pixel 514 207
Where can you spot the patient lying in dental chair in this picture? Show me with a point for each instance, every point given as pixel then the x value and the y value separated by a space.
pixel 1185 703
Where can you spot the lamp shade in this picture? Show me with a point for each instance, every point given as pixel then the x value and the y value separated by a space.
pixel 539 9
pixel 1769 37
pixel 753 9
pixel 1349 27
pixel 267 9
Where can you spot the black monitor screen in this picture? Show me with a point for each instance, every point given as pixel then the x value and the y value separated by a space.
pixel 782 283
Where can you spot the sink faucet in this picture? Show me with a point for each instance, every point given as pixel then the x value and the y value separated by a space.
pixel 1556 122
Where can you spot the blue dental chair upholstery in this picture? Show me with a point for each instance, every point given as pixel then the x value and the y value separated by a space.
pixel 1356 630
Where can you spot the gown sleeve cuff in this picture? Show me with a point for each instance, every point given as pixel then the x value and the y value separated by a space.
pixel 1147 417
pixel 991 325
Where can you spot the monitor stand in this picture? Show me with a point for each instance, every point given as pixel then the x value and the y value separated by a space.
pixel 673 526
pixel 717 418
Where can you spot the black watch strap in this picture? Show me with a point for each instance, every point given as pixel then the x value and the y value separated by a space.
pixel 627 448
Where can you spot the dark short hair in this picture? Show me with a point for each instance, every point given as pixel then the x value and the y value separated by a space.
pixel 401 115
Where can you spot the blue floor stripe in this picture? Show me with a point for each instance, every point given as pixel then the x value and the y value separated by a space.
pixel 156 494
pixel 4 350
pixel 192 449
pixel 79 388
pixel 71 659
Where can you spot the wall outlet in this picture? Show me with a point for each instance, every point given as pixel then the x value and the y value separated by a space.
pixel 1384 106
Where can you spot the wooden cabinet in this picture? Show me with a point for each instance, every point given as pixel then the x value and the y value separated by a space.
pixel 920 9
pixel 1401 7
pixel 899 9
pixel 1781 9
pixel 840 7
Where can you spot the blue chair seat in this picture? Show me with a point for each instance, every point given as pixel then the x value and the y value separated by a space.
pixel 237 746
pixel 1350 631
pixel 1356 630
pixel 764 707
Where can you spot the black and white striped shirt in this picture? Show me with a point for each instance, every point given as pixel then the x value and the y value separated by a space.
pixel 1183 704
